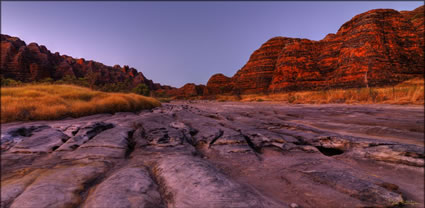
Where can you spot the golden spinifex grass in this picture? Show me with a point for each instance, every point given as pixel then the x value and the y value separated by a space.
pixel 408 92
pixel 46 102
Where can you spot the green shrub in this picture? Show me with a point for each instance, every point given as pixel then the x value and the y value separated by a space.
pixel 10 82
pixel 47 80
pixel 291 98
pixel 141 89
pixel 373 94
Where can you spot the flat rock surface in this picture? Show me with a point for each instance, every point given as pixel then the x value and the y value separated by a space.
pixel 219 154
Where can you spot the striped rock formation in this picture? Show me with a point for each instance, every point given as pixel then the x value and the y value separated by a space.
pixel 375 48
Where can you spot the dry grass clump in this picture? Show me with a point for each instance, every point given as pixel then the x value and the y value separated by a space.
pixel 47 102
pixel 408 92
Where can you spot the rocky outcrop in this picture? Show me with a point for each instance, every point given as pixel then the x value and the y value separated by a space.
pixel 218 84
pixel 375 48
pixel 214 154
pixel 188 91
pixel 34 62
pixel 257 74
pixel 416 17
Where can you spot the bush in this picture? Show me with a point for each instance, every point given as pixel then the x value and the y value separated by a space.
pixel 291 98
pixel 141 89
pixel 373 94
pixel 10 82
pixel 47 80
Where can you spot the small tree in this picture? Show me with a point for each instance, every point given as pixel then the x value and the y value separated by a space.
pixel 82 81
pixel 238 93
pixel 141 89
pixel 92 78
pixel 68 79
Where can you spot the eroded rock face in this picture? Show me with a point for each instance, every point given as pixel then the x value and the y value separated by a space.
pixel 34 62
pixel 204 185
pixel 219 154
pixel 218 84
pixel 115 192
pixel 375 48
pixel 256 75
pixel 189 90
pixel 62 191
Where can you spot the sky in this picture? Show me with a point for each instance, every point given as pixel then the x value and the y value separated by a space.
pixel 175 43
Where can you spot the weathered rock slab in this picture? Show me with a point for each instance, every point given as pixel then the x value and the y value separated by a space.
pixel 216 154
pixel 129 187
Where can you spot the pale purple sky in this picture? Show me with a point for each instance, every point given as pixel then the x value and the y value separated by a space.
pixel 175 43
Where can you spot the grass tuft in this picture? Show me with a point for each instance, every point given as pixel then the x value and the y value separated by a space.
pixel 47 102
pixel 408 92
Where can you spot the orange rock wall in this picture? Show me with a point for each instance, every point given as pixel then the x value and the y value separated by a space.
pixel 375 48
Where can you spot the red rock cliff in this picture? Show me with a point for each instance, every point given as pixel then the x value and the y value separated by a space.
pixel 33 62
pixel 375 48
